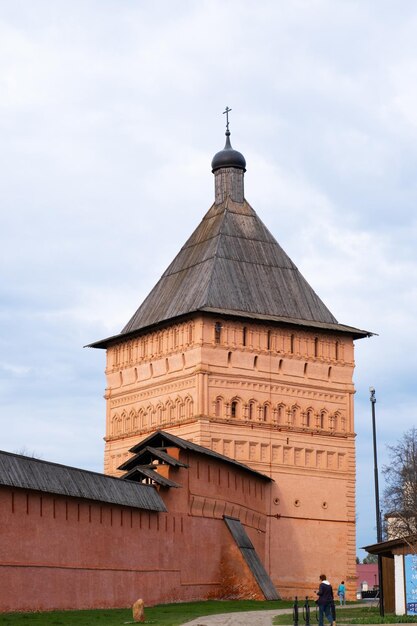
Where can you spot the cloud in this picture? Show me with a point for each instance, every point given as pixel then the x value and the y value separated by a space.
pixel 110 115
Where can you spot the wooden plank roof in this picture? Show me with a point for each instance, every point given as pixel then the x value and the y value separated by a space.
pixel 232 265
pixel 147 455
pixel 140 472
pixel 385 548
pixel 162 439
pixel 28 473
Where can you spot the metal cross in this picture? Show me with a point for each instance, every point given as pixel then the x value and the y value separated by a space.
pixel 227 111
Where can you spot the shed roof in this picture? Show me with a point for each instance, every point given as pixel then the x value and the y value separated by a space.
pixel 28 473
pixel 232 265
pixel 141 471
pixel 147 455
pixel 385 548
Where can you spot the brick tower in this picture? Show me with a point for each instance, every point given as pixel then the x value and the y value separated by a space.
pixel 232 349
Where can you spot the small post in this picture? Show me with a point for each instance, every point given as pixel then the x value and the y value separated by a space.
pixel 306 612
pixel 295 612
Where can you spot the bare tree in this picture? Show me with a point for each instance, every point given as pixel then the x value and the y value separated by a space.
pixel 24 451
pixel 400 493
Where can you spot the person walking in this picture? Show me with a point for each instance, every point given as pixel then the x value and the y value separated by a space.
pixel 325 602
pixel 341 592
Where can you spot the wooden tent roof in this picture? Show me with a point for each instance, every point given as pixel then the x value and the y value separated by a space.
pixel 232 265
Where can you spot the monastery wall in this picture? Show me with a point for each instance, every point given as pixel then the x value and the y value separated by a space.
pixel 63 553
pixel 214 489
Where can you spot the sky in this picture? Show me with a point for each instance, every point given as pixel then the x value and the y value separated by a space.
pixel 110 114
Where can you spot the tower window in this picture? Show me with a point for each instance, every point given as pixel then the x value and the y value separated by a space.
pixel 292 344
pixel 244 335
pixel 294 415
pixel 233 409
pixel 217 332
pixel 268 340
pixel 251 410
pixel 316 347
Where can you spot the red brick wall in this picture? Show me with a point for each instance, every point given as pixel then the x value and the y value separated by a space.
pixel 61 553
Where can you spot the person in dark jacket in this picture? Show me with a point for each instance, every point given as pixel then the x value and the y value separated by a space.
pixel 325 601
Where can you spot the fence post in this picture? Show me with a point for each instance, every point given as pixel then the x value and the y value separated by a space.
pixel 306 612
pixel 295 612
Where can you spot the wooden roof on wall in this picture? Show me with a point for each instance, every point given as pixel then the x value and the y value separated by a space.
pixel 161 440
pixel 28 473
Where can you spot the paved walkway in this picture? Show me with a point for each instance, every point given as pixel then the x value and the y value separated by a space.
pixel 248 618
pixel 252 618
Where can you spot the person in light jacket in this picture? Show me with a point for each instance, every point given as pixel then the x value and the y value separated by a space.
pixel 341 592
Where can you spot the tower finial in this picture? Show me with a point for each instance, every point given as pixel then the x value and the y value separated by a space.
pixel 227 111
pixel 228 167
pixel 228 157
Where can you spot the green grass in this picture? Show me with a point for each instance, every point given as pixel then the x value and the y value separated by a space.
pixel 160 615
pixel 387 619
pixel 358 615
pixel 176 614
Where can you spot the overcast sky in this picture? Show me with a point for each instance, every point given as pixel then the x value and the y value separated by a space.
pixel 110 113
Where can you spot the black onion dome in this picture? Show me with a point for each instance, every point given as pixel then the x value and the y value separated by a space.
pixel 228 157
